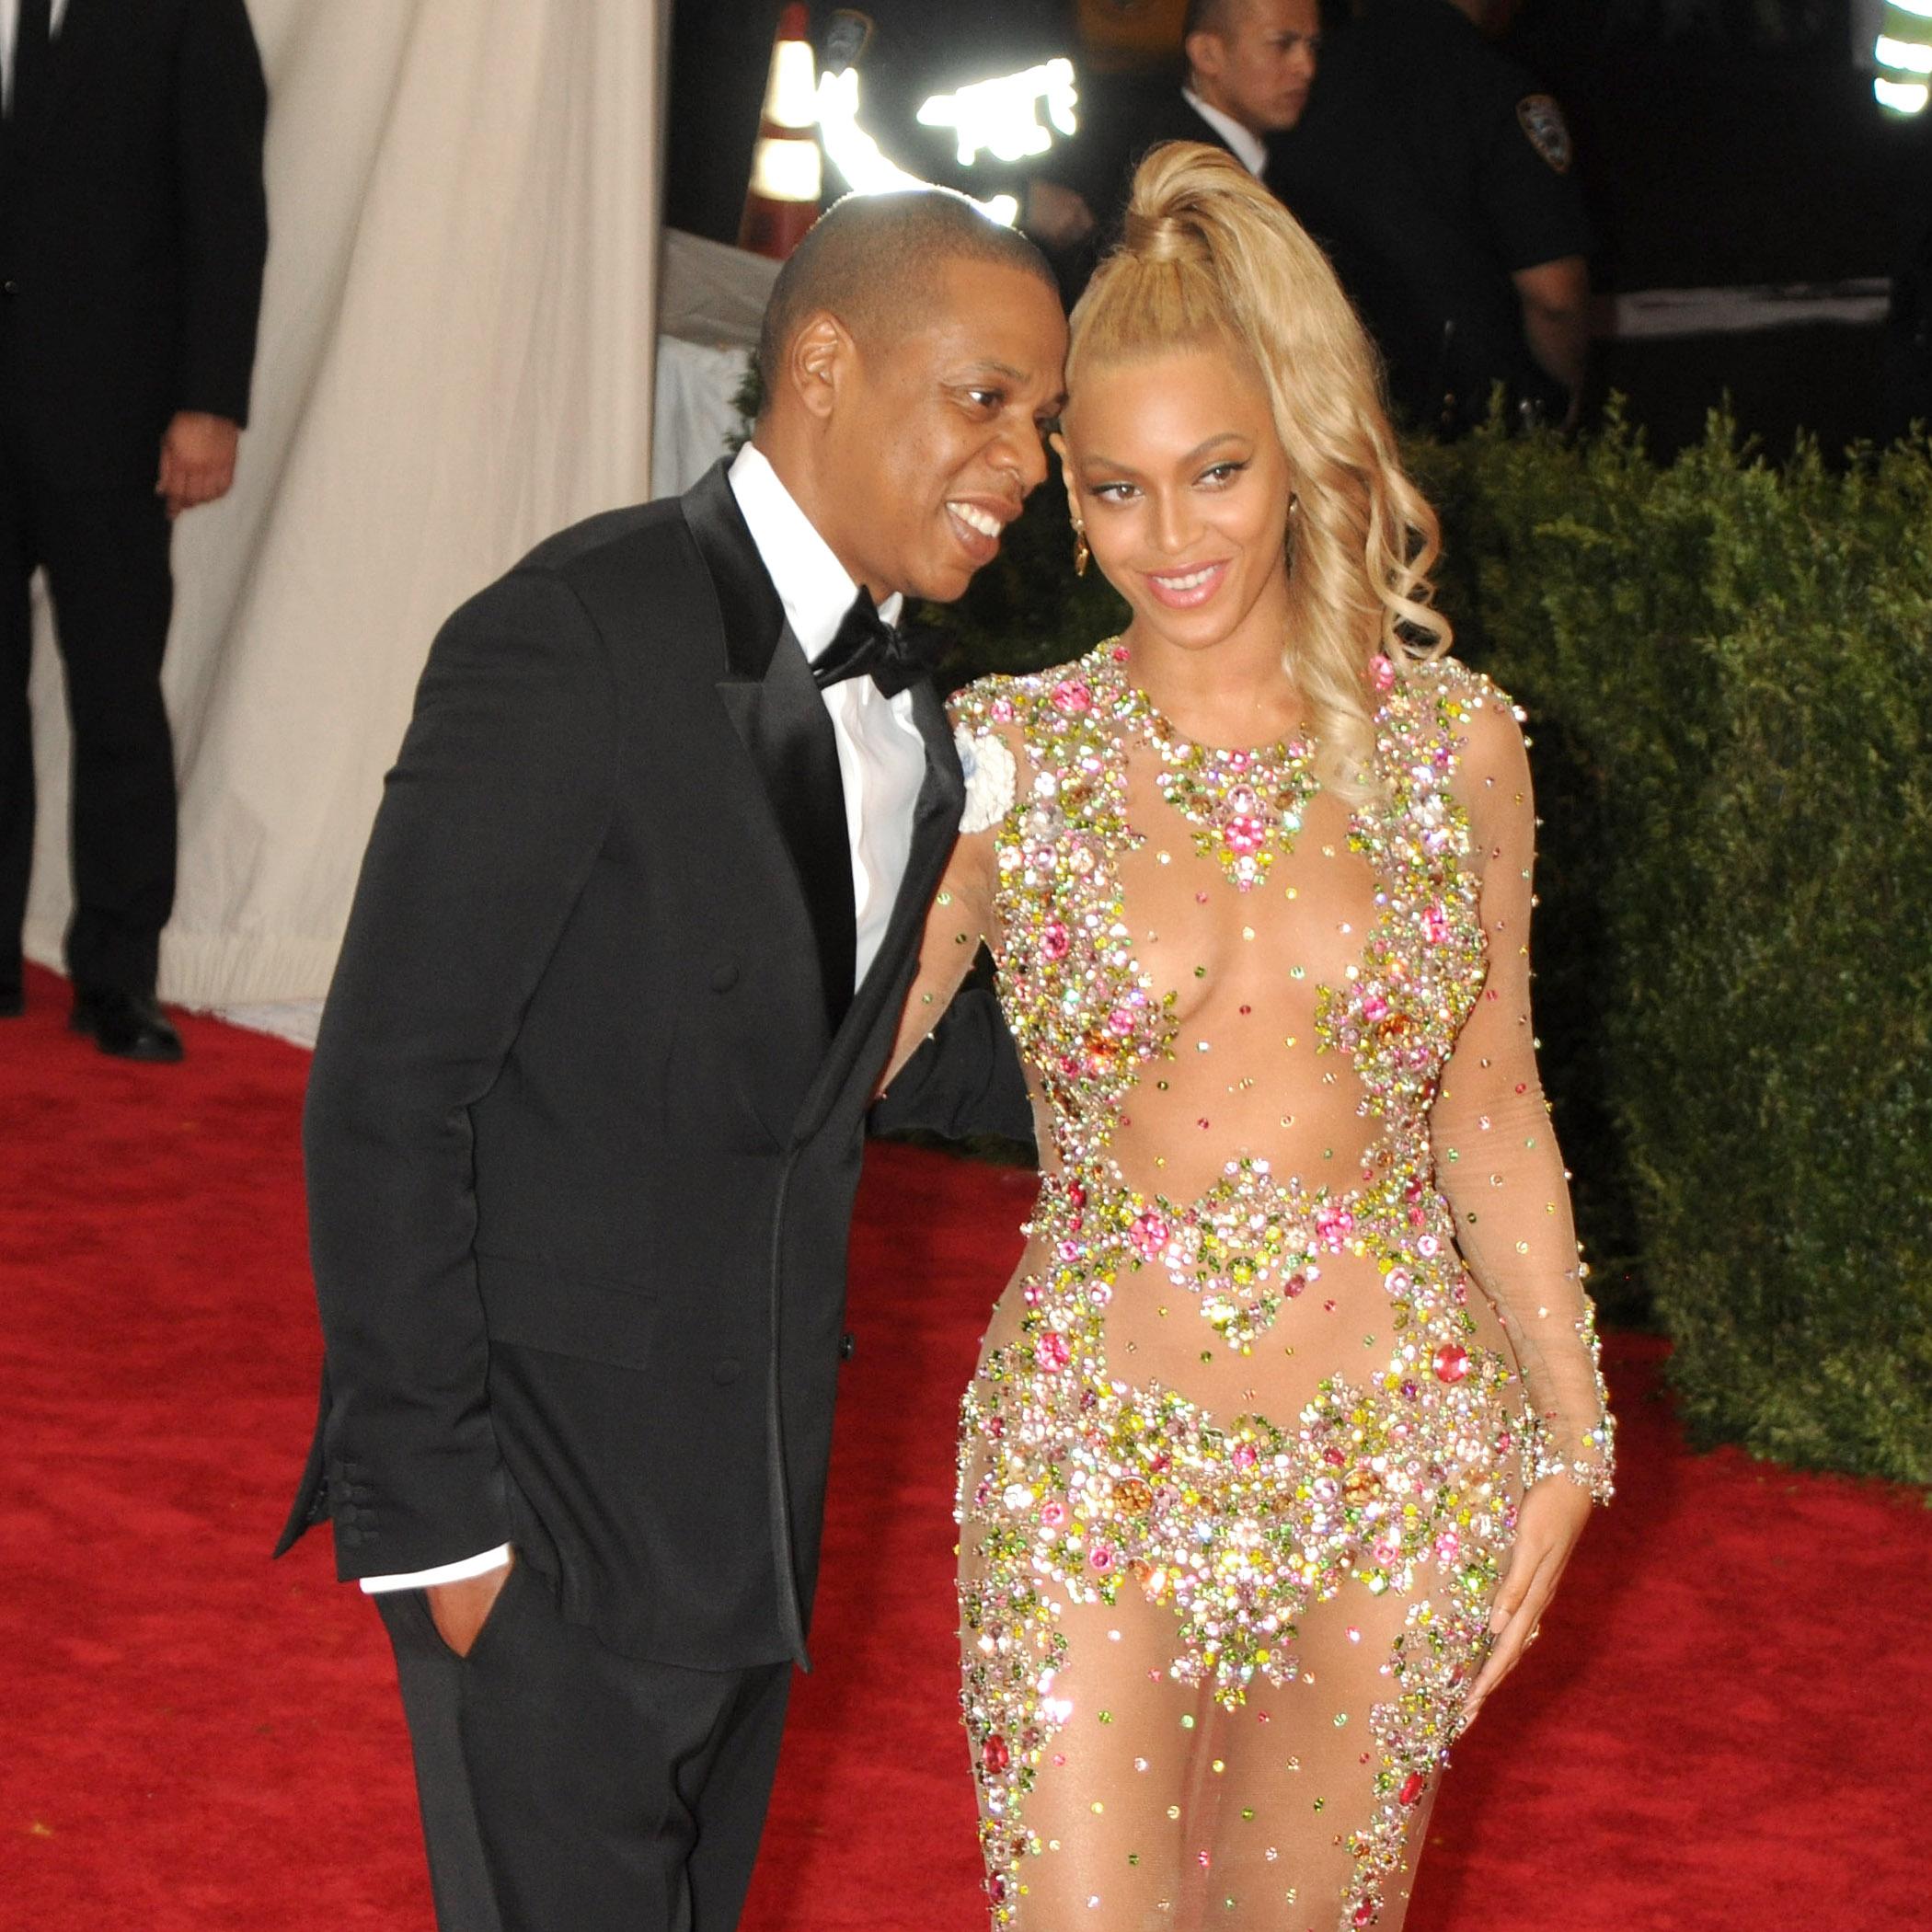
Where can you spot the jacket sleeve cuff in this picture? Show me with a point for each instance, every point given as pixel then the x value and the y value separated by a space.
pixel 497 1558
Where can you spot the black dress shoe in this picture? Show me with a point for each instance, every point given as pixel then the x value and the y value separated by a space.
pixel 127 1024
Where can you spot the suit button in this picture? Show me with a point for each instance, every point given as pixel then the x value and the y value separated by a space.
pixel 347 1533
pixel 726 1371
pixel 848 1342
pixel 724 974
pixel 9 287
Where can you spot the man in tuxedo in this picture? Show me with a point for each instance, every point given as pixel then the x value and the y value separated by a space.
pixel 1250 67
pixel 132 233
pixel 637 917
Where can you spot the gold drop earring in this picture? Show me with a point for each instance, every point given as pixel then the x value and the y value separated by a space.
pixel 1082 555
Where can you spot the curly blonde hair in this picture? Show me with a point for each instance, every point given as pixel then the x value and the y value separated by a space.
pixel 1211 256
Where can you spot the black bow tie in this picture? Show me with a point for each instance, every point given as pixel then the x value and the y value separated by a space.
pixel 867 646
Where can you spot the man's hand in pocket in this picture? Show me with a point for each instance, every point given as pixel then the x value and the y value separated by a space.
pixel 460 1610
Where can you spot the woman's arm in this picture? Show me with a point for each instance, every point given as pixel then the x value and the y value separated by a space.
pixel 962 1076
pixel 1499 1166
pixel 1496 1160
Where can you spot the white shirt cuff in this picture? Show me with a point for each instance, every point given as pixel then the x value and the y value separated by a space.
pixel 443 1573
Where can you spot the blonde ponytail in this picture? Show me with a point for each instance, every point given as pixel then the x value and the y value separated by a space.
pixel 1209 255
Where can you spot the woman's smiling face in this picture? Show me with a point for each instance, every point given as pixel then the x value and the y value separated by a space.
pixel 1173 464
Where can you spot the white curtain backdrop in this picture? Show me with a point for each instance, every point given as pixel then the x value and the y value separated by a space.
pixel 455 361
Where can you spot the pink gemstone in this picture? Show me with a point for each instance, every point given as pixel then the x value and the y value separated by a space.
pixel 1365 1913
pixel 1149 1236
pixel 1120 1022
pixel 1411 1788
pixel 1052 1352
pixel 1103 1556
pixel 1055 940
pixel 1003 710
pixel 1243 835
pixel 1333 1224
pixel 1053 1514
pixel 994 1756
pixel 1076 1194
pixel 1450 1363
pixel 1436 924
pixel 1244 1455
pixel 1242 799
pixel 1448 1546
pixel 1293 1285
pixel 1119 653
pixel 1072 696
pixel 1375 1008
pixel 1382 672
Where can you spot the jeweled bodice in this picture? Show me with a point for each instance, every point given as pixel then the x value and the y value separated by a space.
pixel 1245 1198
pixel 1089 1012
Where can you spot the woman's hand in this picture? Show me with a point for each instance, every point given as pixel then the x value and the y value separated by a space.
pixel 1547 1526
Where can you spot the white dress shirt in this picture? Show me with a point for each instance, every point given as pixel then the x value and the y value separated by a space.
pixel 9 32
pixel 1250 150
pixel 881 758
pixel 881 763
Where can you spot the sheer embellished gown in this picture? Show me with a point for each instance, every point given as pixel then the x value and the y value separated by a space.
pixel 1300 1316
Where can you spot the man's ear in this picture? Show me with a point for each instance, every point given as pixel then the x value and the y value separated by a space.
pixel 1204 54
pixel 819 364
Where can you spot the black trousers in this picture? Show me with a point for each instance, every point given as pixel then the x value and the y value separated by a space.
pixel 105 552
pixel 566 1788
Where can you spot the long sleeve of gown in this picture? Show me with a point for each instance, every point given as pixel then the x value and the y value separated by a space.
pixel 1497 1158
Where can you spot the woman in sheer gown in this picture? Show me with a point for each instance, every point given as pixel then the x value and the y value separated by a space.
pixel 1286 1426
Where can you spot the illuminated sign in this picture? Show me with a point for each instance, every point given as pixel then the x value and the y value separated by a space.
pixel 858 156
pixel 1002 116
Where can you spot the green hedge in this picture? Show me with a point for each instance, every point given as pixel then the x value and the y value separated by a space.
pixel 1729 672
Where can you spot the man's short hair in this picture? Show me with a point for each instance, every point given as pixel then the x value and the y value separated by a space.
pixel 874 261
pixel 1208 17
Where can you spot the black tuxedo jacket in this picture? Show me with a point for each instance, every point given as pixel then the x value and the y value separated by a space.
pixel 587 1109
pixel 133 231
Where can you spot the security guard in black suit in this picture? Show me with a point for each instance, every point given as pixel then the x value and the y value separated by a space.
pixel 1439 178
pixel 1244 78
pixel 133 229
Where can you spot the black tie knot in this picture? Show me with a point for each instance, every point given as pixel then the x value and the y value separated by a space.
pixel 867 646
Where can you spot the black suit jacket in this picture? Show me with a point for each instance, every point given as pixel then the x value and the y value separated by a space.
pixel 1127 116
pixel 581 1134
pixel 133 229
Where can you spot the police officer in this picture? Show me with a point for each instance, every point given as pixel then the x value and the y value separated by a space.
pixel 1440 177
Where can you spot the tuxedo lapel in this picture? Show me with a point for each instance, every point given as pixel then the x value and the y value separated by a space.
pixel 780 718
pixel 935 826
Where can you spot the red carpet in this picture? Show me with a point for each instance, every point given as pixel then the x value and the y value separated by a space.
pixel 1728 1725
